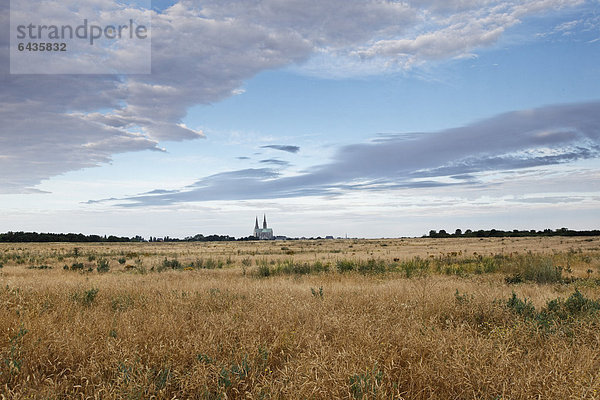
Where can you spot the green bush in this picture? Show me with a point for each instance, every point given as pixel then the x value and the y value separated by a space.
pixel 85 298
pixel 40 267
pixel 77 266
pixel 264 271
pixel 523 307
pixel 576 305
pixel 317 293
pixel 416 266
pixel 102 266
pixel 345 265
pixel 372 266
pixel 246 262
pixel 289 267
pixel 173 264
pixel 541 270
pixel 211 263
pixel 557 311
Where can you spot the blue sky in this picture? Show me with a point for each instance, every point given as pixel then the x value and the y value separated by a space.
pixel 366 118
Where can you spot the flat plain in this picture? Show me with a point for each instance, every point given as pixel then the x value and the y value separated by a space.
pixel 456 318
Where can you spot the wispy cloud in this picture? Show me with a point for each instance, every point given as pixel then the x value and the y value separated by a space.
pixel 275 161
pixel 453 157
pixel 289 149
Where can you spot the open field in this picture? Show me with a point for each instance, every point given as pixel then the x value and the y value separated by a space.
pixel 358 319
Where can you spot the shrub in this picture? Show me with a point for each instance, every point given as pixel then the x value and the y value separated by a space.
pixel 102 266
pixel 122 260
pixel 541 270
pixel 89 296
pixel 122 302
pixel 264 271
pixel 417 266
pixel 372 266
pixel 173 264
pixel 577 305
pixel 77 266
pixel 317 293
pixel 40 267
pixel 246 262
pixel 521 307
pixel 490 265
pixel 85 298
pixel 345 265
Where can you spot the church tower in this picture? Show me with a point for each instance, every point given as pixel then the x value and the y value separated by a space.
pixel 264 233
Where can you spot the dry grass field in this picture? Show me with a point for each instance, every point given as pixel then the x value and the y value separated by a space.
pixel 354 319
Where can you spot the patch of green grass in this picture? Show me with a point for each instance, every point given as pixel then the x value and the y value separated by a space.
pixel 415 266
pixel 365 385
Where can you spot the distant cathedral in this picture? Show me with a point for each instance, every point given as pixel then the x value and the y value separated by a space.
pixel 264 233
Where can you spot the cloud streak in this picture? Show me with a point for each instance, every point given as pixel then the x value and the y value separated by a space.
pixel 286 148
pixel 508 142
pixel 275 161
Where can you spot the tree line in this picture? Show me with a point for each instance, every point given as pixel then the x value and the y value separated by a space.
pixel 514 233
pixel 30 237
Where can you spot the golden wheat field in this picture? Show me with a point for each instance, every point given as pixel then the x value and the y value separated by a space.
pixel 352 319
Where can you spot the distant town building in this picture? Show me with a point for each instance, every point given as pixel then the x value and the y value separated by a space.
pixel 264 233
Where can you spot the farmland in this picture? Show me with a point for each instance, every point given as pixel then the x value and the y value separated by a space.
pixel 359 319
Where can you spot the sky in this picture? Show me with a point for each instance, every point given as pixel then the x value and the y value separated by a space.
pixel 342 117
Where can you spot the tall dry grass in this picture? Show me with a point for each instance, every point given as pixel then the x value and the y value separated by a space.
pixel 227 333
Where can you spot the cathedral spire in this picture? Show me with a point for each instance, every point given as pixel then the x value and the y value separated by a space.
pixel 264 221
pixel 256 224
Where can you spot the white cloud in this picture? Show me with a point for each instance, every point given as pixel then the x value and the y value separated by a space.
pixel 456 29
